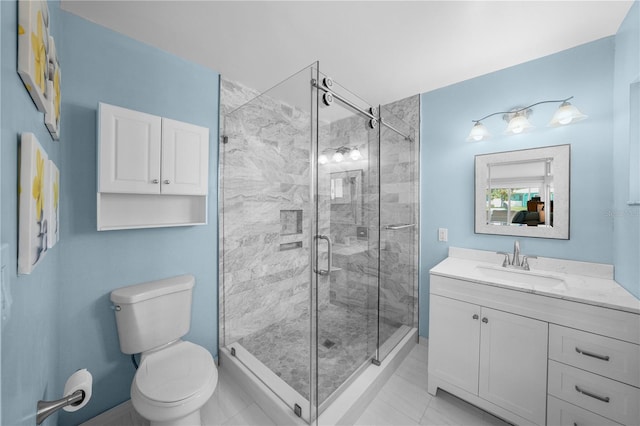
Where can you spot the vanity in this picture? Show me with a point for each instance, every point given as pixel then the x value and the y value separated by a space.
pixel 558 344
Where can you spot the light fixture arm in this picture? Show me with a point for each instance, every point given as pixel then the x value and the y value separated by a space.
pixel 522 109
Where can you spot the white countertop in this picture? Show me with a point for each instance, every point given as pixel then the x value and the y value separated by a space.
pixel 584 282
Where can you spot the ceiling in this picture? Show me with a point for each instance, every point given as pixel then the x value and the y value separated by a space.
pixel 381 50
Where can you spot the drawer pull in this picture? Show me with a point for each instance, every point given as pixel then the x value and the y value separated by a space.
pixel 592 395
pixel 592 355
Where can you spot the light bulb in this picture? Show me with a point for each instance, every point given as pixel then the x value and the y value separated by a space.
pixel 322 159
pixel 355 154
pixel 337 157
pixel 478 132
pixel 566 114
pixel 518 124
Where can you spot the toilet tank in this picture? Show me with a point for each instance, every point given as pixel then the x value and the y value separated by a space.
pixel 151 314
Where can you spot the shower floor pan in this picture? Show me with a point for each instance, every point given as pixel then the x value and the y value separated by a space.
pixel 278 356
pixel 346 340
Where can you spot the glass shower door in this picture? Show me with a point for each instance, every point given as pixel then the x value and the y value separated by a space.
pixel 346 239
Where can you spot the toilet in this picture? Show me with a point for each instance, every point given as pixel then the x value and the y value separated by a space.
pixel 175 377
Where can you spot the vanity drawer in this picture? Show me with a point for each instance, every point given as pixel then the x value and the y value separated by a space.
pixel 606 397
pixel 608 357
pixel 561 413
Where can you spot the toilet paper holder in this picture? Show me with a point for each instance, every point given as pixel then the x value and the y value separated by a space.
pixel 47 408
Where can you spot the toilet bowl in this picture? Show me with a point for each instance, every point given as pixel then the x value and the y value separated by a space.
pixel 172 384
pixel 175 377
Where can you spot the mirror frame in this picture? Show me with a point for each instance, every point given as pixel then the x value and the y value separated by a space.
pixel 561 155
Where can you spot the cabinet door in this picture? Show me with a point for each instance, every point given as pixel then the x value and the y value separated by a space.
pixel 129 151
pixel 185 158
pixel 513 363
pixel 454 333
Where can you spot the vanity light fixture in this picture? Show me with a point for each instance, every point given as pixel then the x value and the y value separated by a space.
pixel 479 132
pixel 566 114
pixel 355 154
pixel 339 154
pixel 519 123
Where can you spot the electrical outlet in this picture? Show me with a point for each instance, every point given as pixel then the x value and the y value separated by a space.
pixel 443 234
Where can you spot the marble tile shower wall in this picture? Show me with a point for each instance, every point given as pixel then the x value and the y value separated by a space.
pixel 355 285
pixel 400 204
pixel 264 204
pixel 355 257
pixel 264 171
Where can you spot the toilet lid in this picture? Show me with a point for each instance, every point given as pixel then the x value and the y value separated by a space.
pixel 175 373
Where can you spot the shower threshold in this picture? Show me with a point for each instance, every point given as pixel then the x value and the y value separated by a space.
pixel 278 399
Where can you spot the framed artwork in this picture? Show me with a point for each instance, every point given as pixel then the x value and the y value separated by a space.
pixel 52 114
pixel 51 203
pixel 33 228
pixel 33 49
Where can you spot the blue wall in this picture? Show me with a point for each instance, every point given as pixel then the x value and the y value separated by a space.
pixel 100 65
pixel 447 160
pixel 61 318
pixel 626 219
pixel 29 326
pixel 2 265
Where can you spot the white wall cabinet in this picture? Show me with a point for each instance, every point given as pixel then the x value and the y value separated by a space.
pixel 152 171
pixel 496 356
pixel 185 158
pixel 129 151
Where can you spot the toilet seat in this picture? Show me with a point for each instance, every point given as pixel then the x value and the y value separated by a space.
pixel 173 382
pixel 175 373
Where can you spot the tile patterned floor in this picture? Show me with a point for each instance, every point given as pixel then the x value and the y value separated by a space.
pixel 350 342
pixel 403 401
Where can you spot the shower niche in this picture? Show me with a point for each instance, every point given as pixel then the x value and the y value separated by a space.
pixel 290 229
pixel 307 261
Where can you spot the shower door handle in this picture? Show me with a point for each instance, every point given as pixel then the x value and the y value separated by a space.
pixel 328 270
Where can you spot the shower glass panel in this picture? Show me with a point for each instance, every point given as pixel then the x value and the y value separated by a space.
pixel 399 205
pixel 266 221
pixel 318 237
pixel 347 203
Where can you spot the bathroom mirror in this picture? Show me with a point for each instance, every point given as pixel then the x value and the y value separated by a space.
pixel 523 193
pixel 346 196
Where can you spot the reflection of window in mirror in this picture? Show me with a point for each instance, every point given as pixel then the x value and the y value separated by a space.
pixel 520 193
pixel 346 196
pixel 634 143
pixel 523 192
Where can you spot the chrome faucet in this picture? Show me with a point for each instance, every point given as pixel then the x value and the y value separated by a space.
pixel 515 262
pixel 516 253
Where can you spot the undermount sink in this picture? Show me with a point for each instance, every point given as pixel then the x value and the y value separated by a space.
pixel 535 279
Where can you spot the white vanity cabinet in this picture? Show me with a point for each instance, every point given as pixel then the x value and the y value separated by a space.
pixel 496 356
pixel 564 350
pixel 152 171
pixel 597 375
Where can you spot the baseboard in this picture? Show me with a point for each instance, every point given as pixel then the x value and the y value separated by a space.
pixel 120 415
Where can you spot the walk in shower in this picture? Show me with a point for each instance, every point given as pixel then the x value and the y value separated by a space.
pixel 318 224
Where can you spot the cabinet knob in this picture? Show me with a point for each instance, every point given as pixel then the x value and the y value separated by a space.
pixel 475 316
pixel 155 181
pixel 166 182
pixel 485 320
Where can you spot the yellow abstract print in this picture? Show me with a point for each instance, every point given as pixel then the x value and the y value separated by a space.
pixel 38 187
